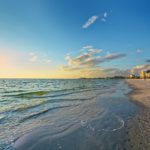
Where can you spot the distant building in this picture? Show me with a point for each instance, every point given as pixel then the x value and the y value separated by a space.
pixel 148 74
pixel 145 74
pixel 132 76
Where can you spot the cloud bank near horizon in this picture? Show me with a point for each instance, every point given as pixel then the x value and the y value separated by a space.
pixel 137 69
pixel 89 60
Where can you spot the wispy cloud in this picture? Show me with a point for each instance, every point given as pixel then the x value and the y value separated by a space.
pixel 87 47
pixel 93 19
pixel 105 14
pixel 48 60
pixel 33 57
pixel 88 59
pixel 38 58
pixel 139 51
pixel 104 18
pixel 90 21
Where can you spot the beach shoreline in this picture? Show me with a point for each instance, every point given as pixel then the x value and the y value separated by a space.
pixel 94 118
pixel 139 127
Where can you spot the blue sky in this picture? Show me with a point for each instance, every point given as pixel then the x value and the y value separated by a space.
pixel 50 30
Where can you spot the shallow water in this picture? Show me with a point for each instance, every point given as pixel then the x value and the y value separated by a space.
pixel 64 114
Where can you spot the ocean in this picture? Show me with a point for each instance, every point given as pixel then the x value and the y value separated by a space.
pixel 72 114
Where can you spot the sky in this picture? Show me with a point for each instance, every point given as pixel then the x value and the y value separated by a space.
pixel 73 38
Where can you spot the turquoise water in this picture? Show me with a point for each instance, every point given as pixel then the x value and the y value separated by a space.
pixel 64 114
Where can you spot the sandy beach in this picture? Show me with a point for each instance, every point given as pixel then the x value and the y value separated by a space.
pixel 139 127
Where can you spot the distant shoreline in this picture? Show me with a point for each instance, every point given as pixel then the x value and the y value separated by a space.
pixel 64 78
pixel 139 126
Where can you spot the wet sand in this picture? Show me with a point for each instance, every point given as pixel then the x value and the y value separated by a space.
pixel 139 127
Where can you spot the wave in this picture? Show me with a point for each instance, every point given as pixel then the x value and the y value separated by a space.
pixel 35 115
pixel 39 103
pixel 2 117
pixel 28 94
pixel 64 100
pixel 34 93
pixel 23 107
pixel 45 94
pixel 14 91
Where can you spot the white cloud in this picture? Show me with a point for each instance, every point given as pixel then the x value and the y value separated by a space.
pixel 85 58
pixel 33 57
pixel 94 51
pixel 90 21
pixel 139 51
pixel 90 49
pixel 87 47
pixel 38 58
pixel 105 14
pixel 103 20
pixel 89 60
pixel 47 61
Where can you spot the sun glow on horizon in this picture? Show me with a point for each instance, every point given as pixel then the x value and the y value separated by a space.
pixel 18 64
